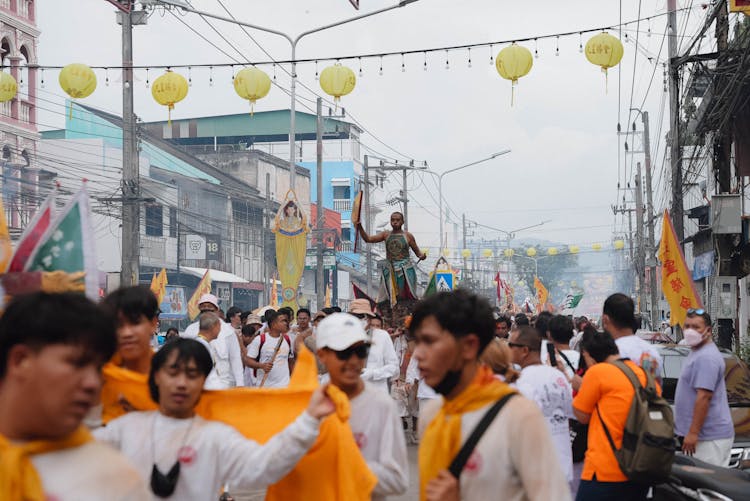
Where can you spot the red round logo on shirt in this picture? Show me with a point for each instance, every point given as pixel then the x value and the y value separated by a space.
pixel 474 464
pixel 186 455
pixel 361 440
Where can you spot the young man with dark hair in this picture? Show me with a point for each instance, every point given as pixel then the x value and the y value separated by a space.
pixel 702 415
pixel 184 456
pixel 52 348
pixel 618 318
pixel 515 457
pixel 301 330
pixel 560 330
pixel 547 388
pixel 260 352
pixel 234 318
pixel 502 326
pixel 343 347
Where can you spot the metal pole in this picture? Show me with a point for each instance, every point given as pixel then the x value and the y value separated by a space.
pixel 651 257
pixel 367 226
pixel 129 274
pixel 266 226
pixel 641 254
pixel 292 118
pixel 320 210
pixel 463 224
pixel 405 198
pixel 674 128
pixel 440 211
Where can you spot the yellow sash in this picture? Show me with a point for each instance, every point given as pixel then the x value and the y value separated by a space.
pixel 442 437
pixel 18 477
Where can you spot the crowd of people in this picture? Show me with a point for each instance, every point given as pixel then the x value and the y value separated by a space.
pixel 530 407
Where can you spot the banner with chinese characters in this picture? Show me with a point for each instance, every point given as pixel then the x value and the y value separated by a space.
pixel 676 280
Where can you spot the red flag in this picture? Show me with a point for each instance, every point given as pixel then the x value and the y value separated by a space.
pixel 499 282
pixel 32 235
pixel 360 294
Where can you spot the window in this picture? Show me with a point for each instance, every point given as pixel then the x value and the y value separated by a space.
pixel 341 193
pixel 173 222
pixel 154 222
pixel 346 234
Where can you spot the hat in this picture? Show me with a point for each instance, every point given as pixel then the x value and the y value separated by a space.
pixel 253 319
pixel 360 307
pixel 318 315
pixel 208 298
pixel 339 331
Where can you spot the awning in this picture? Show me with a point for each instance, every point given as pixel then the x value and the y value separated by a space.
pixel 216 275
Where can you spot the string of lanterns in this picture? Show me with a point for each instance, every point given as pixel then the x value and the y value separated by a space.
pixel 533 252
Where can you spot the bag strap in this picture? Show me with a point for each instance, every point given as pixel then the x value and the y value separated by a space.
pixel 458 463
pixel 633 378
pixel 606 431
pixel 567 361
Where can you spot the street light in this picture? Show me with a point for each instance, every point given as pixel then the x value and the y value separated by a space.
pixel 440 184
pixel 293 42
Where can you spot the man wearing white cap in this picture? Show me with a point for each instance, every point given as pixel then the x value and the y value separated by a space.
pixel 227 345
pixel 343 346
pixel 382 364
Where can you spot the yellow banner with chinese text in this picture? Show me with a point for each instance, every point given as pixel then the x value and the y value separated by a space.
pixel 204 287
pixel 676 281
pixel 542 294
pixel 159 285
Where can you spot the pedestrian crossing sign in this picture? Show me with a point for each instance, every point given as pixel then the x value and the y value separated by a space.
pixel 444 281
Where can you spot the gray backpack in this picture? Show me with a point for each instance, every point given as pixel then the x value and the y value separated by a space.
pixel 648 442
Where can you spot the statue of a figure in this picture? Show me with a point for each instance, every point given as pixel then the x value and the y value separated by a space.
pixel 398 280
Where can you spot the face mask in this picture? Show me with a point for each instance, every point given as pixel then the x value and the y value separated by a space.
pixel 692 337
pixel 448 383
pixel 164 485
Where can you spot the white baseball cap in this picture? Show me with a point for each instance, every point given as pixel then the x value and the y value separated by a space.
pixel 339 331
pixel 208 298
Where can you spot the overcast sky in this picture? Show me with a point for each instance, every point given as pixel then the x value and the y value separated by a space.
pixel 564 162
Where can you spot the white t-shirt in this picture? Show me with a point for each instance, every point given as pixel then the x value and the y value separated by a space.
pixel 573 358
pixel 279 375
pixel 378 432
pixel 211 453
pixel 550 390
pixel 644 354
pixel 91 472
pixel 213 381
pixel 382 363
pixel 412 376
pixel 230 351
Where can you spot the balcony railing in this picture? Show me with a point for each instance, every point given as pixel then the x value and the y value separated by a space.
pixel 347 246
pixel 342 205
pixel 5 4
pixel 5 110
pixel 24 112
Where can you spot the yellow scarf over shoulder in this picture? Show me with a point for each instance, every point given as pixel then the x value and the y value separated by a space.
pixel 442 437
pixel 18 477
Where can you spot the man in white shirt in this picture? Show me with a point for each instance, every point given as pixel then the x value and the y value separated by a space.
pixel 618 318
pixel 382 363
pixel 229 347
pixel 264 357
pixel 559 333
pixel 187 457
pixel 49 380
pixel 547 387
pixel 210 326
pixel 343 347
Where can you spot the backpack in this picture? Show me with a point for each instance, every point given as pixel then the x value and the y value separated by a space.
pixel 263 340
pixel 648 443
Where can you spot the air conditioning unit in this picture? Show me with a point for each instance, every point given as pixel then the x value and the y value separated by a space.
pixel 726 214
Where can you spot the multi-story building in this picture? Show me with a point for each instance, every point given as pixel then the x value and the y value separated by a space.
pixel 18 132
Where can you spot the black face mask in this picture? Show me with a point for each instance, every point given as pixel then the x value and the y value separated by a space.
pixel 448 383
pixel 164 485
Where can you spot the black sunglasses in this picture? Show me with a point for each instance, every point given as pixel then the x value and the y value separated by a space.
pixel 361 351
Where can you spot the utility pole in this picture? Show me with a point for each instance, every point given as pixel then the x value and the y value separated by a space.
pixel 266 225
pixel 629 211
pixel 368 224
pixel 463 224
pixel 651 249
pixel 674 127
pixel 320 210
pixel 641 251
pixel 404 198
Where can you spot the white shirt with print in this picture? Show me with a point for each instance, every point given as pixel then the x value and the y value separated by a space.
pixel 378 432
pixel 642 353
pixel 550 390
pixel 279 375
pixel 210 453
pixel 382 363
pixel 90 472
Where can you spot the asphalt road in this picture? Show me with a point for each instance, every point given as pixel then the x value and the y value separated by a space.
pixel 411 495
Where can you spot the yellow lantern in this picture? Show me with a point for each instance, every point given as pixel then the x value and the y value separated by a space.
pixel 78 81
pixel 466 253
pixel 574 249
pixel 552 251
pixel 619 244
pixel 8 87
pixel 531 252
pixel 514 62
pixel 487 253
pixel 521 283
pixel 596 246
pixel 337 81
pixel 508 252
pixel 252 84
pixel 426 251
pixel 447 252
pixel 605 51
pixel 168 89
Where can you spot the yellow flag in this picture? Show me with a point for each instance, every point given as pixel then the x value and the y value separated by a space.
pixel 676 282
pixel 541 292
pixel 6 249
pixel 204 287
pixel 159 285
pixel 274 294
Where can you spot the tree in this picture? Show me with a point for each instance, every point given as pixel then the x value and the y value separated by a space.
pixel 551 271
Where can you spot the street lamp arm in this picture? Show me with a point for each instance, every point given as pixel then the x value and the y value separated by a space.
pixel 494 155
pixel 403 3
pixel 532 226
